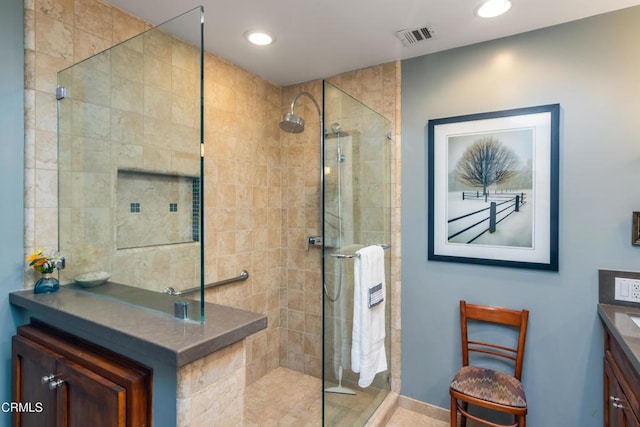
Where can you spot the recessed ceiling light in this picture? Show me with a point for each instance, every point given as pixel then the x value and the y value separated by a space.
pixel 258 38
pixel 493 8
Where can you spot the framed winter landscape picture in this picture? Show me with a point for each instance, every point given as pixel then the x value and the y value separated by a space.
pixel 493 188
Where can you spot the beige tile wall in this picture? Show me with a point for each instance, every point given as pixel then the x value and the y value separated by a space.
pixel 243 205
pixel 261 186
pixel 211 390
pixel 58 33
pixel 301 291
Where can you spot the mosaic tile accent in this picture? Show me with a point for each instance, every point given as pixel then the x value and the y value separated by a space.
pixel 195 209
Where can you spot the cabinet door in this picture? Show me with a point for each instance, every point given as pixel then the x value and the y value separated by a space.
pixel 72 396
pixel 84 398
pixel 31 362
pixel 132 376
pixel 617 411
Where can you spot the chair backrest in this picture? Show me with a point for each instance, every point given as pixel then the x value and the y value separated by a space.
pixel 495 315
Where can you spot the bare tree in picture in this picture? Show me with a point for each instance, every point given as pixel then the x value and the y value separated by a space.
pixel 487 162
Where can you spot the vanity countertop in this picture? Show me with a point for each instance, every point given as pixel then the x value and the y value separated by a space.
pixel 617 319
pixel 158 335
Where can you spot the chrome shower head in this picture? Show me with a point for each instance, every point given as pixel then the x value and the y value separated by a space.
pixel 292 123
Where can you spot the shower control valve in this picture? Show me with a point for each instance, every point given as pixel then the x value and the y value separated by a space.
pixel 314 241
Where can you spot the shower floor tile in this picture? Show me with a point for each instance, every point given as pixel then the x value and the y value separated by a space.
pixel 285 397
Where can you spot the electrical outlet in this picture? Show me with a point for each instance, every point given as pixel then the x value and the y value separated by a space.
pixel 627 289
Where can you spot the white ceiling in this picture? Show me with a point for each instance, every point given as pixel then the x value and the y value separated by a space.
pixel 322 38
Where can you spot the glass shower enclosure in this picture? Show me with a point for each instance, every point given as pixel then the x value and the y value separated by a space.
pixel 356 214
pixel 130 165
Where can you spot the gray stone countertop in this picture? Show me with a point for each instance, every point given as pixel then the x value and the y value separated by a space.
pixel 119 325
pixel 617 319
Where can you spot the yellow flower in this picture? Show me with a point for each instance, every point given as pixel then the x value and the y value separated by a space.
pixel 34 255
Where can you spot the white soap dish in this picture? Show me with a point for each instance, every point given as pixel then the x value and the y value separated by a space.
pixel 94 278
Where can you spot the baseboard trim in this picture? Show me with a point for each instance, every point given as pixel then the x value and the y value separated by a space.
pixel 431 411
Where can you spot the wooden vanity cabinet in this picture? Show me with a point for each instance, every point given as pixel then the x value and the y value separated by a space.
pixel 66 381
pixel 621 387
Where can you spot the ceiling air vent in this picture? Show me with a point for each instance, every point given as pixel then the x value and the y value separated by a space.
pixel 413 36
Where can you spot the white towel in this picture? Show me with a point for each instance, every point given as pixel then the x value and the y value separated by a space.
pixel 368 355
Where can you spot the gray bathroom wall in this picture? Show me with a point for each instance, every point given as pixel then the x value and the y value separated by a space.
pixel 591 68
pixel 11 181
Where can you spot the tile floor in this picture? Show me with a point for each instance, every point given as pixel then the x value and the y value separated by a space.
pixel 283 397
pixel 407 418
pixel 288 398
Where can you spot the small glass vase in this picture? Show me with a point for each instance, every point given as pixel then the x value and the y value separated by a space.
pixel 46 284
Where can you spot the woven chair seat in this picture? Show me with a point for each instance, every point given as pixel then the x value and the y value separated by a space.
pixel 490 385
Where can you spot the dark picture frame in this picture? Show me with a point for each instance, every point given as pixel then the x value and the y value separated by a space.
pixel 493 188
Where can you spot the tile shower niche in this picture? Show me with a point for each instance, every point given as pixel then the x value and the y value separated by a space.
pixel 156 209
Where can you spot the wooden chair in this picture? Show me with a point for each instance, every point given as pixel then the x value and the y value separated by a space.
pixel 485 387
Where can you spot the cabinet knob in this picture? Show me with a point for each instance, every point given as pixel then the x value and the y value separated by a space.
pixel 614 403
pixel 55 384
pixel 47 378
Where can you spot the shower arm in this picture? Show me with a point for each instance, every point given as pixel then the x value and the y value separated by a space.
pixel 308 95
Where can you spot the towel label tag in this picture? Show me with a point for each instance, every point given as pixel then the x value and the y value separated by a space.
pixel 375 295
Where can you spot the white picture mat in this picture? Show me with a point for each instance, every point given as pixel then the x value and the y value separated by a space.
pixel 541 200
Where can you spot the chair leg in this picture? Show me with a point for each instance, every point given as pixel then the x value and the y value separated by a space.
pixel 522 421
pixel 463 418
pixel 453 419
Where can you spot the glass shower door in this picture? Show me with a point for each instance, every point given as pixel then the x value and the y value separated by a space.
pixel 356 214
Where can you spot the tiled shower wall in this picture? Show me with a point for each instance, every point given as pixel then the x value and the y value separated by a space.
pixel 243 206
pixel 58 33
pixel 261 186
pixel 301 291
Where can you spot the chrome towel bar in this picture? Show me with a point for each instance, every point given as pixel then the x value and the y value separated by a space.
pixel 348 256
pixel 244 275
